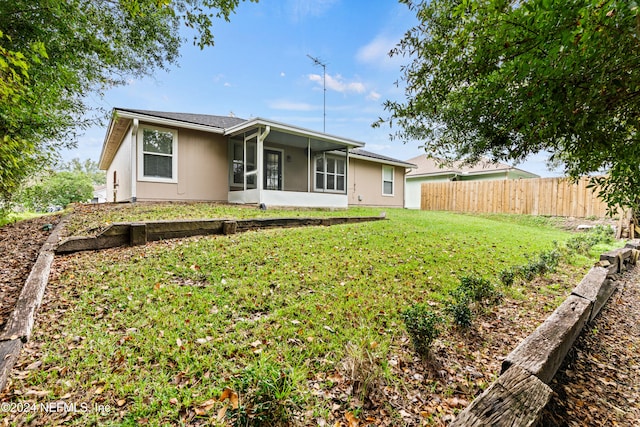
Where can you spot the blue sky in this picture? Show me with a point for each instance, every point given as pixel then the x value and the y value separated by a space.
pixel 259 68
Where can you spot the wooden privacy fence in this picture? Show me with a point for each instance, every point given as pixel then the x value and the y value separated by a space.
pixel 540 196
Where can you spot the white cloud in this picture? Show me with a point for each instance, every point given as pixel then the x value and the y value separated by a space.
pixel 282 104
pixel 282 74
pixel 338 83
pixel 376 52
pixel 300 9
pixel 373 96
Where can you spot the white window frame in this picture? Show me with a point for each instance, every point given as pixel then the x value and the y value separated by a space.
pixel 174 155
pixel 393 180
pixel 324 172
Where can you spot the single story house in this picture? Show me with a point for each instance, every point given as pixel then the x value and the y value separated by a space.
pixel 433 170
pixel 163 156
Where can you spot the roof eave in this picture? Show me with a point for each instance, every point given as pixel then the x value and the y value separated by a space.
pixel 241 127
pixel 383 161
pixel 168 122
pixel 102 166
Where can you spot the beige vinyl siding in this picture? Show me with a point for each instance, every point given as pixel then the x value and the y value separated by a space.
pixel 121 165
pixel 365 185
pixel 202 170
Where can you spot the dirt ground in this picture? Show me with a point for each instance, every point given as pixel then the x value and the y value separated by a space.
pixel 20 243
pixel 599 382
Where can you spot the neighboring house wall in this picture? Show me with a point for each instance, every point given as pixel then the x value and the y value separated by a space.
pixel 366 185
pixel 120 169
pixel 202 170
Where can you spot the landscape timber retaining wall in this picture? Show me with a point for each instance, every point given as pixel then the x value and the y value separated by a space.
pixel 522 390
pixel 139 233
pixel 17 330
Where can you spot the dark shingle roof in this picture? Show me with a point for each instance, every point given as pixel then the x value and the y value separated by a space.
pixel 365 153
pixel 221 122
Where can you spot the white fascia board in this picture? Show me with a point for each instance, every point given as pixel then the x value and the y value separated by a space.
pixel 112 122
pixel 383 161
pixel 168 122
pixel 430 174
pixel 283 127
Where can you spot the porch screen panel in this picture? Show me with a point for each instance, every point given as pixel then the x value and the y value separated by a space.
pixel 320 173
pixel 252 168
pixel 240 165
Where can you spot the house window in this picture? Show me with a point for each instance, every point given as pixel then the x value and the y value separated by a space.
pixel 387 180
pixel 158 154
pixel 330 173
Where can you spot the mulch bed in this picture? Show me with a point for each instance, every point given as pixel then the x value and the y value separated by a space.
pixel 599 382
pixel 20 244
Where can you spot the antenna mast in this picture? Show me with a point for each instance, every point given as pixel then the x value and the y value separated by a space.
pixel 316 61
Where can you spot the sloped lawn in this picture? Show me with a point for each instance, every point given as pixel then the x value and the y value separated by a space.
pixel 299 326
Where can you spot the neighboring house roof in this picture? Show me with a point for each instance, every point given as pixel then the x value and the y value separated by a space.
pixel 368 155
pixel 427 166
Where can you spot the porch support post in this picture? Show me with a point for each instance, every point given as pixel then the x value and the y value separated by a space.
pixel 134 163
pixel 346 178
pixel 309 165
pixel 244 162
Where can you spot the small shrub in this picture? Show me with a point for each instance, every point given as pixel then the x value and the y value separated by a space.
pixel 507 276
pixel 581 243
pixel 550 259
pixel 459 309
pixel 479 289
pixel 422 326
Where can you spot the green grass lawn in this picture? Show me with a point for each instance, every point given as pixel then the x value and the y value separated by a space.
pixel 157 332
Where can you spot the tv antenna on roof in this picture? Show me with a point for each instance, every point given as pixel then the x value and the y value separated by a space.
pixel 316 61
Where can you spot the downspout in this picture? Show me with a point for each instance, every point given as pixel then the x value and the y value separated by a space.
pixel 260 161
pixel 134 152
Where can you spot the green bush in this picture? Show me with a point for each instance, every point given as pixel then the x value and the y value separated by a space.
pixel 422 326
pixel 459 309
pixel 581 243
pixel 507 276
pixel 479 289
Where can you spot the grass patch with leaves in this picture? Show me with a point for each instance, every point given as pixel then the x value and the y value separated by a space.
pixel 158 332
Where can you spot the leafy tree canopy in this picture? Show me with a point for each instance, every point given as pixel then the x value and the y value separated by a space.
pixel 53 53
pixel 508 78
pixel 56 189
pixel 87 167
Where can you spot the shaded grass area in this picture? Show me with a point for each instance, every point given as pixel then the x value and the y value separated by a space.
pixel 157 332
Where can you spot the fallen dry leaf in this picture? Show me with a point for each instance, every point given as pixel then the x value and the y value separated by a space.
pixel 227 393
pixel 351 419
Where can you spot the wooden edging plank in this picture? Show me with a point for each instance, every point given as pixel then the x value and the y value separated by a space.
pixel 18 328
pixel 528 369
pixel 516 398
pixel 139 233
